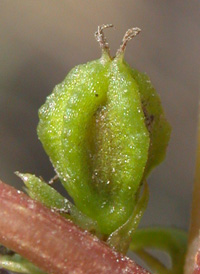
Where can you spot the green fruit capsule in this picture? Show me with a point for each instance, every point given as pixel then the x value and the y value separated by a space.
pixel 94 127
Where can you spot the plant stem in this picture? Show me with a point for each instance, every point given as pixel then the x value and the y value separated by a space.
pixel 53 243
pixel 194 231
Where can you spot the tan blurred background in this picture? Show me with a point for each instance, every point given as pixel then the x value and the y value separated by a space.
pixel 40 41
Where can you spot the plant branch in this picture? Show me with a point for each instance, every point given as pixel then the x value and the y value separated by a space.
pixel 192 261
pixel 53 243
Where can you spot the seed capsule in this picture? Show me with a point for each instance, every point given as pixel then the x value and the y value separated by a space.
pixel 101 128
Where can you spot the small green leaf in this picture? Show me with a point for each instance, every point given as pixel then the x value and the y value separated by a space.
pixel 120 239
pixel 44 193
pixel 172 241
pixel 18 264
pixel 156 266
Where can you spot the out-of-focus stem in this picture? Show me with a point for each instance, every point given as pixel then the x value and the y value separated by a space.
pixel 194 231
pixel 53 243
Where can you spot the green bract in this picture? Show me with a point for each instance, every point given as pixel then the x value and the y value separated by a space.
pixel 104 130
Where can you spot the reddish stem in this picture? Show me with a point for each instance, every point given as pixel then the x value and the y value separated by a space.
pixel 53 243
pixel 192 263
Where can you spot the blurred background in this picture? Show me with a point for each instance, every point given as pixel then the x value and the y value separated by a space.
pixel 40 41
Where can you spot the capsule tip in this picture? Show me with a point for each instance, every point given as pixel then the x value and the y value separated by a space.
pixel 130 33
pixel 101 39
